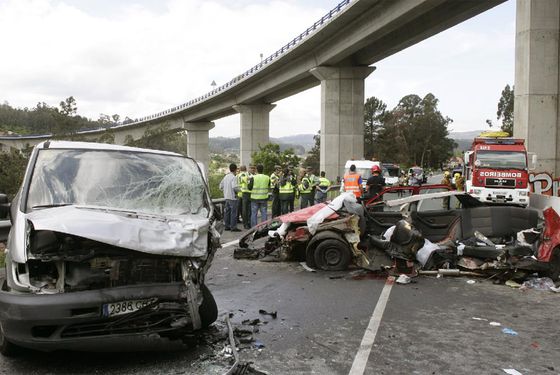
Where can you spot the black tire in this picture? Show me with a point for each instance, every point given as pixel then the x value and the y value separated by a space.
pixel 332 255
pixel 554 263
pixel 7 348
pixel 208 310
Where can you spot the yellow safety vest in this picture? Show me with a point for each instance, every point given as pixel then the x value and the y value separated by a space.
pixel 261 182
pixel 324 182
pixel 274 180
pixel 302 188
pixel 243 182
pixel 287 188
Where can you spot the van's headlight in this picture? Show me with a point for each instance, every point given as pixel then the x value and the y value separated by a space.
pixel 523 193
pixel 477 191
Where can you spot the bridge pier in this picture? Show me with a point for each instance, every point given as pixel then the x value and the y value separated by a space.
pixel 342 115
pixel 255 126
pixel 536 80
pixel 197 141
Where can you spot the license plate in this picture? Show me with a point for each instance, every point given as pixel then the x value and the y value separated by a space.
pixel 125 307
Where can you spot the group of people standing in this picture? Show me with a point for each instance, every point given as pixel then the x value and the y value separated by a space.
pixel 352 182
pixel 247 193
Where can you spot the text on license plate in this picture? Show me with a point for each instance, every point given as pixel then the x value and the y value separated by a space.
pixel 125 307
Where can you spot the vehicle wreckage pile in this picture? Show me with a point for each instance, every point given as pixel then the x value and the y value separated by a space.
pixel 498 241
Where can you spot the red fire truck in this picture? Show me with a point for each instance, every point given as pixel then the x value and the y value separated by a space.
pixel 496 169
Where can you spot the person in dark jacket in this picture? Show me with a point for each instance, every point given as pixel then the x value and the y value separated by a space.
pixel 375 184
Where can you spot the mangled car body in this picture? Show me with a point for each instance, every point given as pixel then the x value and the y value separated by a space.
pixel 328 236
pixel 445 229
pixel 109 245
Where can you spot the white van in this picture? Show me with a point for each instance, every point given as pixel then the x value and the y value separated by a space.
pixel 363 167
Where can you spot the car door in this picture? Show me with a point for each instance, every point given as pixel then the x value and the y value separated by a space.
pixel 435 217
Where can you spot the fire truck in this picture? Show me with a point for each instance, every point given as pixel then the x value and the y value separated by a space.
pixel 496 169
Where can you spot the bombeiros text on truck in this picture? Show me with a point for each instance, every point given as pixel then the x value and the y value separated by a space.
pixel 497 169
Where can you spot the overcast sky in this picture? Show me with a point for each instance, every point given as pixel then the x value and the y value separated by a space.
pixel 138 57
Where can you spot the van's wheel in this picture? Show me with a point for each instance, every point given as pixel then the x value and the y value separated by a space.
pixel 554 263
pixel 332 255
pixel 7 348
pixel 208 310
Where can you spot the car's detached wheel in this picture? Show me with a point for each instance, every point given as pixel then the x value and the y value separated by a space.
pixel 208 310
pixel 7 348
pixel 332 255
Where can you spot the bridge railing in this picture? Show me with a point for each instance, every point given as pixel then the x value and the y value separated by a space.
pixel 253 70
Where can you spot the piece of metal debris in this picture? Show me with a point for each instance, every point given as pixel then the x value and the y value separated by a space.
pixel 306 267
pixel 273 314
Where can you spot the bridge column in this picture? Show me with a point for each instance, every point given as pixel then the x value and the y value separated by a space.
pixel 197 141
pixel 342 116
pixel 254 128
pixel 536 80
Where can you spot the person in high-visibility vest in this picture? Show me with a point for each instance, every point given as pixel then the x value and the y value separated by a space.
pixel 274 186
pixel 322 188
pixel 243 182
pixel 352 182
pixel 258 185
pixel 305 188
pixel 286 191
pixel 241 173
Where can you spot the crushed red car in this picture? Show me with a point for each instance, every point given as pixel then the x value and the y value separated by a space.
pixel 428 225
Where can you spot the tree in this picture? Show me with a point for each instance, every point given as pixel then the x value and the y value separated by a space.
pixel 505 109
pixel 12 169
pixel 313 158
pixel 374 114
pixel 269 155
pixel 415 133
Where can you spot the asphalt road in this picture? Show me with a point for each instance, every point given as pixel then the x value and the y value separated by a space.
pixel 432 326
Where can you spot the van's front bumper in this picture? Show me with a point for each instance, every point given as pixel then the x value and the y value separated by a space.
pixel 75 321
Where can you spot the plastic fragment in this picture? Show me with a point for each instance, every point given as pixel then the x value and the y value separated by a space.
pixel 471 282
pixel 509 331
pixel 539 283
pixel 513 284
pixel 403 279
pixel 511 371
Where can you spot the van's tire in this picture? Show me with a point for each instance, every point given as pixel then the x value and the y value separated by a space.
pixel 7 348
pixel 332 255
pixel 208 310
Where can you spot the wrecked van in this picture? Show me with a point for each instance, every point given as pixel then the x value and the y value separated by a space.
pixel 109 248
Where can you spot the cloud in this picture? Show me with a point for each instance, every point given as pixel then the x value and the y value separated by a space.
pixel 139 57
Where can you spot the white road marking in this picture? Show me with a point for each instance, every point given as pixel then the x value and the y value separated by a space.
pixel 234 242
pixel 361 359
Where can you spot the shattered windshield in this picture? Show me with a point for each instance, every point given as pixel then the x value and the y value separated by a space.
pixel 134 181
pixel 501 159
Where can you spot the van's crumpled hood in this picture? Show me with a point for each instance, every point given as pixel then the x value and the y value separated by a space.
pixel 185 235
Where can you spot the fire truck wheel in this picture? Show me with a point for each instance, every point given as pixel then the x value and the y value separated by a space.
pixel 332 255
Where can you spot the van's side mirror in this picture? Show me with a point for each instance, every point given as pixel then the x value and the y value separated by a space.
pixel 4 206
pixel 532 160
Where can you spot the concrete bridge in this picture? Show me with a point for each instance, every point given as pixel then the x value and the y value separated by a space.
pixel 335 52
